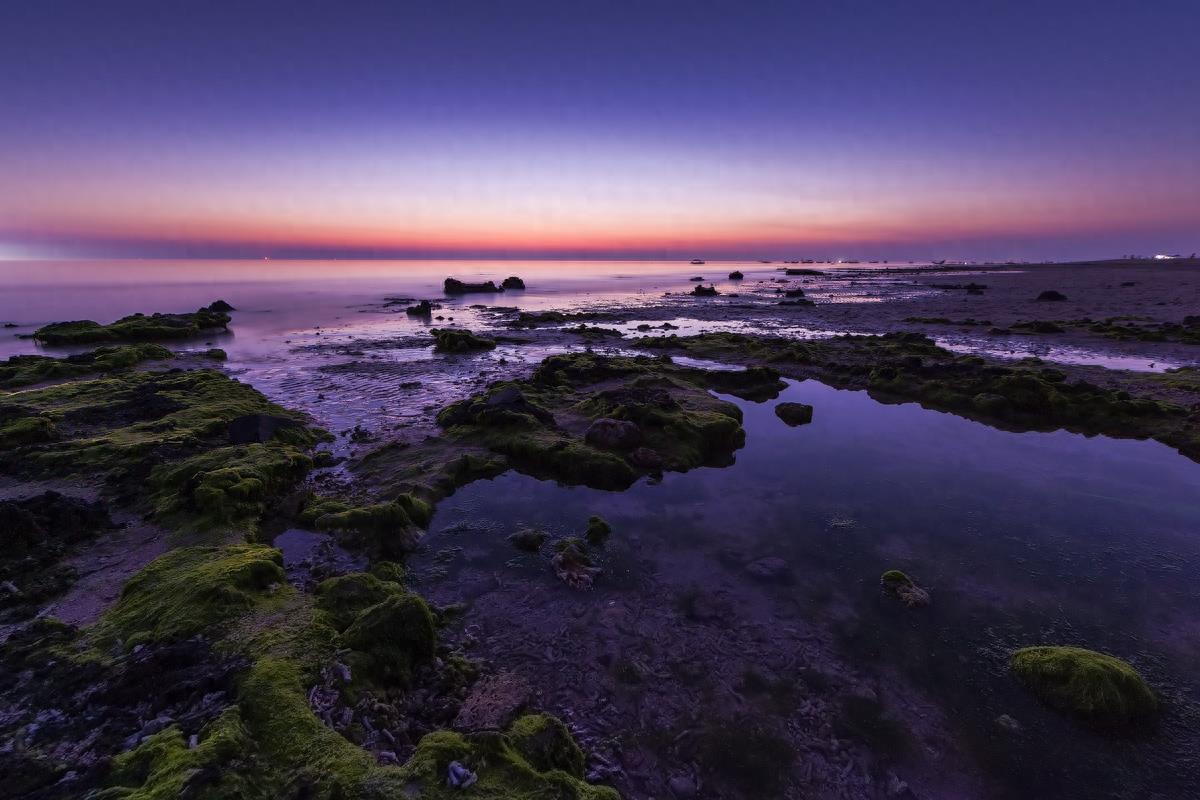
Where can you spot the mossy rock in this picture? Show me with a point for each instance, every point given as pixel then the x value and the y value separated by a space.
pixel 391 637
pixel 344 597
pixel 386 529
pixel 546 744
pixel 216 354
pixel 135 327
pixel 188 590
pixel 453 340
pixel 1091 686
pixel 598 530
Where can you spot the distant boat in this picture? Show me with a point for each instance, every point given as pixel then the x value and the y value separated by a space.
pixel 697 261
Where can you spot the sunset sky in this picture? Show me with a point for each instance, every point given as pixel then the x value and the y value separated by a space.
pixel 643 129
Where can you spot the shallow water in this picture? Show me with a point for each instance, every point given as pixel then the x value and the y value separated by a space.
pixel 1022 539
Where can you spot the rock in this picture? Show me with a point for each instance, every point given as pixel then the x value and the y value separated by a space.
pixel 794 413
pixel 697 278
pixel 572 564
pixel 705 291
pixel 421 309
pixel 1007 723
pixel 258 428
pixel 1050 295
pixel 794 293
pixel 768 569
pixel 646 458
pixel 736 275
pixel 220 306
pixel 455 286
pixel 528 539
pixel 459 777
pixel 493 703
pixel 1091 686
pixel 598 530
pixel 904 589
pixel 512 282
pixel 614 434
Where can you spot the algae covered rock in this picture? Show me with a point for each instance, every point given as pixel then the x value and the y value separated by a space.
pixel 454 340
pixel 388 529
pixel 391 637
pixel 188 590
pixel 546 744
pixel 135 327
pixel 794 414
pixel 528 539
pixel 598 530
pixel 1091 686
pixel 344 597
pixel 904 589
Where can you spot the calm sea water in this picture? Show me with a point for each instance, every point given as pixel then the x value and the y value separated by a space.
pixel 1023 539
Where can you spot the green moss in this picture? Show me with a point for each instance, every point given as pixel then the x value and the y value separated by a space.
pixel 188 590
pixel 388 529
pixel 545 743
pixel 345 597
pixel 505 772
pixel 27 430
pixel 163 767
pixel 391 637
pixel 26 370
pixel 598 530
pixel 1092 686
pixel 454 340
pixel 134 328
pixel 228 485
pixel 216 354
pixel 168 431
pixel 894 577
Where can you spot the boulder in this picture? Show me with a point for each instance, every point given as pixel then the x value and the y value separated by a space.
pixel 736 275
pixel 512 282
pixel 794 413
pixel 1050 295
pixel 705 291
pixel 455 286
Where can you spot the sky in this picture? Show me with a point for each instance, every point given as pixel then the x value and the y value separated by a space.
pixel 599 128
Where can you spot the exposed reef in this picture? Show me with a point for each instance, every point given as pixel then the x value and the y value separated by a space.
pixel 134 328
pixel 28 370
pixel 194 447
pixel 541 424
pixel 1024 395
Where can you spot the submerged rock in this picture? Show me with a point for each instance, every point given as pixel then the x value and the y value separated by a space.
pixel 1091 686
pixel 769 569
pixel 528 539
pixel 598 530
pixel 794 413
pixel 614 434
pixel 572 564
pixel 1050 295
pixel 904 589
pixel 422 309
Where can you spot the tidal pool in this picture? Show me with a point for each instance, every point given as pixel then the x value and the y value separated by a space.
pixel 737 643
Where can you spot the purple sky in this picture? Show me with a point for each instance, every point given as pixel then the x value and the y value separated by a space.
pixel 644 129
